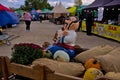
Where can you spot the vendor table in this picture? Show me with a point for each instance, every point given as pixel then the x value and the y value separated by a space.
pixel 104 30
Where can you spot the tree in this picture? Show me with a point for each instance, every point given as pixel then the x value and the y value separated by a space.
pixel 37 4
pixel 78 2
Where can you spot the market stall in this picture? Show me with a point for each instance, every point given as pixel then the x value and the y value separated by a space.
pixel 7 16
pixel 106 22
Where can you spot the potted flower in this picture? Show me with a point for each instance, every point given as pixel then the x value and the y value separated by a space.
pixel 25 53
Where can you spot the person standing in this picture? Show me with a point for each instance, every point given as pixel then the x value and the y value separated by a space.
pixel 119 19
pixel 89 23
pixel 80 22
pixel 40 18
pixel 27 18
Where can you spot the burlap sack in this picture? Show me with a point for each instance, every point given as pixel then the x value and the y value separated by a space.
pixel 105 78
pixel 114 75
pixel 69 68
pixel 115 52
pixel 95 51
pixel 111 61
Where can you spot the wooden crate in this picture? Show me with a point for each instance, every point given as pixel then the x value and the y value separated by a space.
pixel 35 72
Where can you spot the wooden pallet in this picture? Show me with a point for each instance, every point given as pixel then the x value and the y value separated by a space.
pixel 35 72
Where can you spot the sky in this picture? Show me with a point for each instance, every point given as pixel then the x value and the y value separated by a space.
pixel 66 3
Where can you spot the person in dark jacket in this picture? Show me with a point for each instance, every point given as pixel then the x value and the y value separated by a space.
pixel 40 18
pixel 80 22
pixel 89 23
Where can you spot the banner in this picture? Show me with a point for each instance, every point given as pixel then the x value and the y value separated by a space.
pixel 107 30
pixel 104 30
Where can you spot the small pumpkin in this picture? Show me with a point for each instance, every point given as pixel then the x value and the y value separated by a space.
pixel 92 63
pixel 92 73
pixel 47 54
pixel 61 55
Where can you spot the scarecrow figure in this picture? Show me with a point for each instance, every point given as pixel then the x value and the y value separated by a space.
pixel 65 40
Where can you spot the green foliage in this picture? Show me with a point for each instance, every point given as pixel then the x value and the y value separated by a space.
pixel 26 53
pixel 78 2
pixel 37 4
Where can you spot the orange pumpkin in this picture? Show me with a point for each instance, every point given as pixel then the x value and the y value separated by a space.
pixel 92 63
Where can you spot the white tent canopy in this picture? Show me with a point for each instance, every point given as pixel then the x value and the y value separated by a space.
pixel 59 8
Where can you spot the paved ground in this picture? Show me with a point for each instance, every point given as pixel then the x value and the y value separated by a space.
pixel 41 32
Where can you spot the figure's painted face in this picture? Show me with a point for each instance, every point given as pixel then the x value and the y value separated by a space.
pixel 71 23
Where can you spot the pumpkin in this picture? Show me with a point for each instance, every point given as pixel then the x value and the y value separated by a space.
pixel 61 55
pixel 92 63
pixel 47 54
pixel 114 75
pixel 92 73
